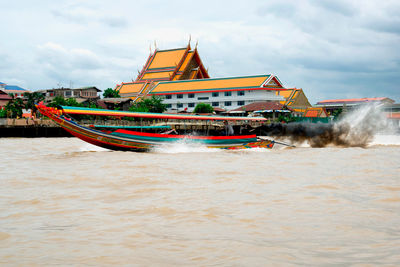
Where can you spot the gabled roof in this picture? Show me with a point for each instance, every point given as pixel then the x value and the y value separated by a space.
pixel 214 85
pixel 14 88
pixel 315 113
pixel 4 95
pixel 295 97
pixel 263 105
pixel 167 65
pixel 133 87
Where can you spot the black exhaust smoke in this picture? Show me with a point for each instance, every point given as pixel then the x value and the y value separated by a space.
pixel 356 129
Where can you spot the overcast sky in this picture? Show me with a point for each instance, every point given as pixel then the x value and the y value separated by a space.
pixel 331 49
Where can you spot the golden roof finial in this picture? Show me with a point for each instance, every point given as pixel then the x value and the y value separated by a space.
pixel 197 43
pixel 155 45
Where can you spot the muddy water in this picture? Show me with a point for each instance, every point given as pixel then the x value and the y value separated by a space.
pixel 63 202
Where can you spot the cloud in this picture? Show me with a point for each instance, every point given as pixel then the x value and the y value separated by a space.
pixel 329 48
pixel 81 14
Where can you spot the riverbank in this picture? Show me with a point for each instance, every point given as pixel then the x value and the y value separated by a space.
pixel 31 128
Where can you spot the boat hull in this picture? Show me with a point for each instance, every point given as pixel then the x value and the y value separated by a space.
pixel 126 140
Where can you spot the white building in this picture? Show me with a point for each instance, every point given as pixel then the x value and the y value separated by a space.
pixel 227 93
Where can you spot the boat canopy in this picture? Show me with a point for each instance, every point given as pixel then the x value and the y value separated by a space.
pixel 119 113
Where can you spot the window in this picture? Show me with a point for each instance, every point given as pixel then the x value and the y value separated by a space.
pixel 179 105
pixel 168 105
pixel 168 96
pixel 215 94
pixel 228 93
pixel 228 103
pixel 240 103
pixel 191 105
pixel 179 96
pixel 191 95
pixel 203 98
pixel 68 93
pixel 215 104
pixel 240 93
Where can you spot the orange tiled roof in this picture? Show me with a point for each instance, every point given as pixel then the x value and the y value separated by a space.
pixel 134 87
pixel 314 112
pixel 167 58
pixel 232 83
pixel 167 65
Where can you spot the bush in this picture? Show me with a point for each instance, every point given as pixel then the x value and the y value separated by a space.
pixel 203 108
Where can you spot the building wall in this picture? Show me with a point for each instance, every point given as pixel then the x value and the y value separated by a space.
pixel 234 100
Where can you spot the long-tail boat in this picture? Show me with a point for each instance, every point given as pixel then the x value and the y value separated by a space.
pixel 133 138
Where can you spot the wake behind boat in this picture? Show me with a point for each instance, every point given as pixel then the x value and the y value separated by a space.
pixel 141 138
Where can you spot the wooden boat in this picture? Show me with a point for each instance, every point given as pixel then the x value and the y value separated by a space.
pixel 129 138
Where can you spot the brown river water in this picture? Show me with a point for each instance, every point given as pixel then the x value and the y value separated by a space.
pixel 64 202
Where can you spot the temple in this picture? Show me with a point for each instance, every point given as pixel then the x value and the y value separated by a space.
pixel 180 78
pixel 165 65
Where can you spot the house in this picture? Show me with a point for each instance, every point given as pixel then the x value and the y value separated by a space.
pixel 4 98
pixel 180 78
pixel 15 90
pixel 120 103
pixel 81 94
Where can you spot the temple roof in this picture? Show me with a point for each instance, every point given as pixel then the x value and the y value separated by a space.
pixel 217 84
pixel 168 65
pixel 315 112
pixel 134 87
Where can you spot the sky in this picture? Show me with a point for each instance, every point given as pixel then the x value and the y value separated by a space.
pixel 332 49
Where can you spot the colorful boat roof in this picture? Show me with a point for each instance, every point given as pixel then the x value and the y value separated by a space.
pixel 218 84
pixel 118 113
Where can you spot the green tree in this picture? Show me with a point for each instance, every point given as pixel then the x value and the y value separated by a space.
pixel 203 108
pixel 153 104
pixel 72 102
pixel 110 93
pixel 14 108
pixel 58 101
pixel 32 99
pixel 3 112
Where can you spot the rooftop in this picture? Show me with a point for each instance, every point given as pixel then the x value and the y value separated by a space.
pixel 355 100
pixel 261 106
pixel 217 84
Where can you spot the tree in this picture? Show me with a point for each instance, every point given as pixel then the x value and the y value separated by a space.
pixel 153 104
pixel 32 99
pixel 110 93
pixel 14 108
pixel 203 108
pixel 58 101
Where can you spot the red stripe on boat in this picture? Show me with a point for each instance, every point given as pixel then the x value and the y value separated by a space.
pixel 186 136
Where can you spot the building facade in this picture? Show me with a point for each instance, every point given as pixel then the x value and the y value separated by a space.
pixel 180 78
pixel 80 94
pixel 226 93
